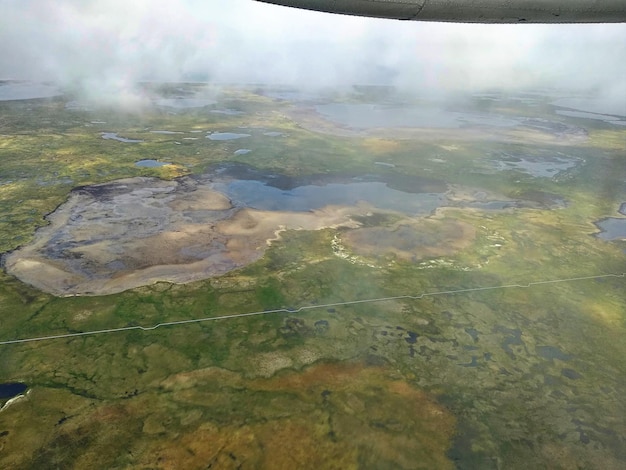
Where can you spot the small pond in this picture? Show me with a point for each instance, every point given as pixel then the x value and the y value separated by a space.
pixel 151 163
pixel 613 228
pixel 114 136
pixel 539 166
pixel 226 136
pixel 227 112
pixel 242 151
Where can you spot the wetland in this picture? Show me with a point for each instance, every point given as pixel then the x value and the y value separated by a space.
pixel 438 294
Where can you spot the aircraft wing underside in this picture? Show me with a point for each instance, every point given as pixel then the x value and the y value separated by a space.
pixel 474 11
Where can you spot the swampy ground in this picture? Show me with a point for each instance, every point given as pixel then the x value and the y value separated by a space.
pixel 524 375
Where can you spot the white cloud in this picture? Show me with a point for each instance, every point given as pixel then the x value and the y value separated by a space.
pixel 114 43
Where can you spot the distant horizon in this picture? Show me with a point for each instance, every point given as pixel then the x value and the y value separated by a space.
pixel 90 45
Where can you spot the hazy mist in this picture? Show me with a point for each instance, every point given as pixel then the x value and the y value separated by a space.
pixel 102 47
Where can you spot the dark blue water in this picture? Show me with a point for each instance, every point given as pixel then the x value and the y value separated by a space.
pixel 258 195
pixel 11 389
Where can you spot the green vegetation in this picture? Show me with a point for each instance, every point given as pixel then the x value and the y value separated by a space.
pixel 504 378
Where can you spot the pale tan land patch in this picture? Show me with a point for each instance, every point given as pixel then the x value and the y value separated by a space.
pixel 412 240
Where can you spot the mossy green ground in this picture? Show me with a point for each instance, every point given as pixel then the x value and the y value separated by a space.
pixel 510 378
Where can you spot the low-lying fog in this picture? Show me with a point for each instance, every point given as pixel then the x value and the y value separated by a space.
pixel 90 48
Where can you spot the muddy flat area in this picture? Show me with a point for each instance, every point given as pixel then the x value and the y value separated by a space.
pixel 111 237
pixel 411 240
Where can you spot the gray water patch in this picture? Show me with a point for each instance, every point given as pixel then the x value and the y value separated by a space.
pixel 487 120
pixel 12 91
pixel 614 107
pixel 242 151
pixel 472 363
pixel 114 136
pixel 585 115
pixel 273 134
pixel 612 228
pixel 151 163
pixel 116 265
pixel 227 112
pixel 65 180
pixel 77 106
pixel 226 136
pixel 597 117
pixel 388 165
pixel 365 116
pixel 491 205
pixel 258 195
pixel 473 333
pixel 166 132
pixel 539 166
pixel 184 103
pixel 512 337
pixel 554 127
pixel 291 95
pixel 398 181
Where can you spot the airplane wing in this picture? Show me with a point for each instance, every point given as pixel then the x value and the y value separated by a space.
pixel 474 11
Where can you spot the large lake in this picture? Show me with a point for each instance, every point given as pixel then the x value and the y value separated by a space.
pixel 12 389
pixel 258 195
pixel 10 91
